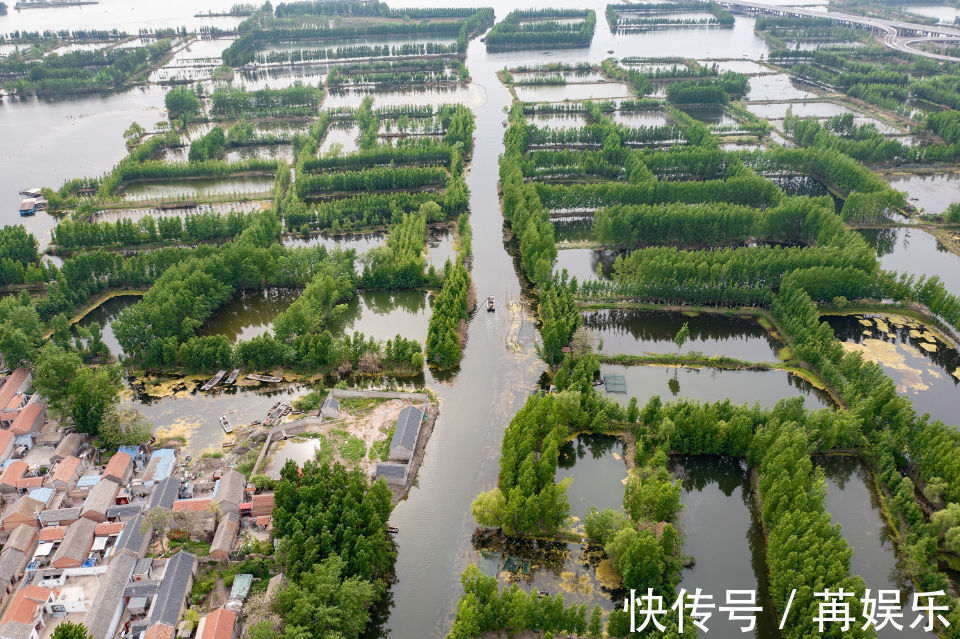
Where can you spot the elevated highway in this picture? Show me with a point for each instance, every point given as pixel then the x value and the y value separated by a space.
pixel 897 35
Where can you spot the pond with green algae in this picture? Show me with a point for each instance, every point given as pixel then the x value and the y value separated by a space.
pixel 597 469
pixel 636 332
pixel 924 367
pixel 765 387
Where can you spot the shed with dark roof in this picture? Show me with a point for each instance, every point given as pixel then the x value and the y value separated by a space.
pixel 164 494
pixel 229 494
pixel 392 472
pixel 175 587
pixel 133 540
pixel 59 516
pixel 104 617
pixel 405 433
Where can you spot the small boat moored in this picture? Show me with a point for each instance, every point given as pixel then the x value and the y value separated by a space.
pixel 225 424
pixel 265 378
pixel 491 304
pixel 213 381
pixel 232 377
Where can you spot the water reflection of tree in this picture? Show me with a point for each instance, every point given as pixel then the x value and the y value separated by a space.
pixel 661 326
pixel 728 473
pixel 598 446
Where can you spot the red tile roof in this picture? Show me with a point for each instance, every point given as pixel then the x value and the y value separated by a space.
pixel 66 470
pixel 26 605
pixel 5 438
pixel 191 505
pixel 118 465
pixel 12 385
pixel 108 528
pixel 25 483
pixel 219 624
pixel 159 631
pixel 24 422
pixel 14 403
pixel 12 474
pixel 52 533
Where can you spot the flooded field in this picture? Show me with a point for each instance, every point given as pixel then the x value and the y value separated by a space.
pixel 630 332
pixel 640 118
pixel 340 137
pixel 711 385
pixel 931 193
pixel 924 367
pixel 195 188
pixel 596 465
pixel 360 242
pixel 721 532
pixel 561 93
pixel 779 86
pixel 573 229
pixel 558 121
pixel 852 502
pixel 470 95
pixel 800 109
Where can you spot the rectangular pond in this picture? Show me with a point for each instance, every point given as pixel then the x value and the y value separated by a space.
pixel 852 502
pixel 720 530
pixel 249 314
pixel 712 385
pixel 907 250
pixel 197 188
pixel 583 263
pixel 778 86
pixel 560 93
pixel 598 471
pixel 470 95
pixel 104 316
pixel 778 111
pixel 634 332
pixel 557 121
pixel 931 193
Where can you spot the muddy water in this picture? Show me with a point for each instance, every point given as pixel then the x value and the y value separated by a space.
pixel 594 91
pixel 915 251
pixel 924 368
pixel 852 502
pixel 722 533
pixel 799 109
pixel 710 114
pixel 779 86
pixel 629 332
pixel 598 471
pixel 712 385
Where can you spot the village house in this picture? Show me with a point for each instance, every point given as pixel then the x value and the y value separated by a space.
pixel 14 471
pixel 229 492
pixel 66 474
pixel 69 446
pixel 59 516
pixel 120 469
pixel 405 433
pixel 225 537
pixel 219 624
pixel 76 545
pixel 23 511
pixel 17 551
pixel 30 419
pixel 101 497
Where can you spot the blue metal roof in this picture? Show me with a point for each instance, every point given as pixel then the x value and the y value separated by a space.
pixel 42 495
pixel 165 459
pixel 23 440
pixel 88 481
pixel 133 451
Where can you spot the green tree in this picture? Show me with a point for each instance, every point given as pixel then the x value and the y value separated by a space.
pixel 55 371
pixel 681 337
pixel 595 627
pixel 70 630
pixel 489 508
pixel 91 394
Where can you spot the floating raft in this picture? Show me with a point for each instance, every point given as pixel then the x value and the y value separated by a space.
pixel 615 384
pixel 225 424
pixel 232 377
pixel 213 380
pixel 489 563
pixel 517 565
pixel 265 378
